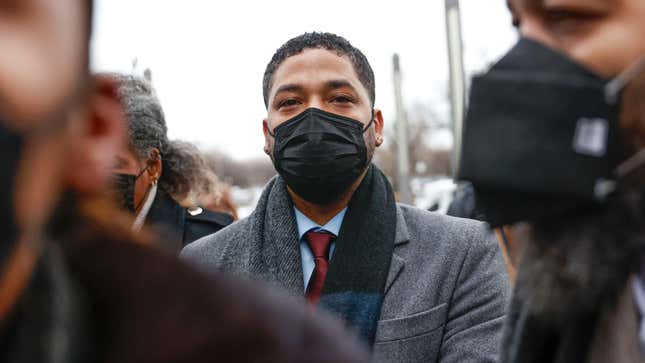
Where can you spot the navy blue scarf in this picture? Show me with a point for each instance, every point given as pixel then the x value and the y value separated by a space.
pixel 355 284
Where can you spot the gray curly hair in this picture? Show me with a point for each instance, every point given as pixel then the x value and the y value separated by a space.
pixel 185 172
pixel 203 182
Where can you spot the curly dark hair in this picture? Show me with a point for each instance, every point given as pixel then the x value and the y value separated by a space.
pixel 183 168
pixel 316 40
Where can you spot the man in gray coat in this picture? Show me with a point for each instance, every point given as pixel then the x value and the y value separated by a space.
pixel 415 286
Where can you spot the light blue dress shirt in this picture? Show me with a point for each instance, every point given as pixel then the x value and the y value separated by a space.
pixel 305 225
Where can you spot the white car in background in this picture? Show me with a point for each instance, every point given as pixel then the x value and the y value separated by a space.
pixel 434 194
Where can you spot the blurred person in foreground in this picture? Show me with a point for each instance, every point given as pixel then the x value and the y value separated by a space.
pixel 75 285
pixel 416 286
pixel 154 174
pixel 463 206
pixel 554 137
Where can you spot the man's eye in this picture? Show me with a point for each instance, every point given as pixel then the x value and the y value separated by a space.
pixel 342 99
pixel 287 103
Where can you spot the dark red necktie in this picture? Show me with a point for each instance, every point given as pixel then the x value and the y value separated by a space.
pixel 319 243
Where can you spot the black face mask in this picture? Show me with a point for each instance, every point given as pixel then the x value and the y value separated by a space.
pixel 541 136
pixel 11 149
pixel 124 185
pixel 320 154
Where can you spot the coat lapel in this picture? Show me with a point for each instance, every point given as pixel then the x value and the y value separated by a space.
pixel 282 253
pixel 401 237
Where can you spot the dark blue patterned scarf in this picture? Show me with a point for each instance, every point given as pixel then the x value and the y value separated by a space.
pixel 355 284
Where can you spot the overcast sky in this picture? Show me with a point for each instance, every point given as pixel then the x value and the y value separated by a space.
pixel 208 57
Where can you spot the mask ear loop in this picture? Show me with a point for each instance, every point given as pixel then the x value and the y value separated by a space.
pixel 269 131
pixel 141 172
pixel 135 180
pixel 627 172
pixel 614 87
pixel 369 124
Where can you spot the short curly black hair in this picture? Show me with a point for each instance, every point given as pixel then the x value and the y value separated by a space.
pixel 329 41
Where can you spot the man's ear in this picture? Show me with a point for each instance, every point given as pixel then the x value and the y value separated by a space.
pixel 378 127
pixel 267 137
pixel 103 135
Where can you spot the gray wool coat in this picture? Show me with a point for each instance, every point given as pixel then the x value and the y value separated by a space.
pixel 446 292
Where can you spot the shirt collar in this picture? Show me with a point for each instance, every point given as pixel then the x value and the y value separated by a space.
pixel 305 224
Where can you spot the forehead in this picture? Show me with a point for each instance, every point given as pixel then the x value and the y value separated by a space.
pixel 316 66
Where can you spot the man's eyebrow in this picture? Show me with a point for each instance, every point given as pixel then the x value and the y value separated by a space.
pixel 290 87
pixel 340 83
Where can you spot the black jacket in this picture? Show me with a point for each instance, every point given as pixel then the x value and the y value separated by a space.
pixel 180 226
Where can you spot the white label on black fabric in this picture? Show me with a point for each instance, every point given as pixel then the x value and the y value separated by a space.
pixel 603 188
pixel 591 137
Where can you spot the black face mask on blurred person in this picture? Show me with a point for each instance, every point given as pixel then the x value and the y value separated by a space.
pixel 11 148
pixel 541 136
pixel 320 154
pixel 124 185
